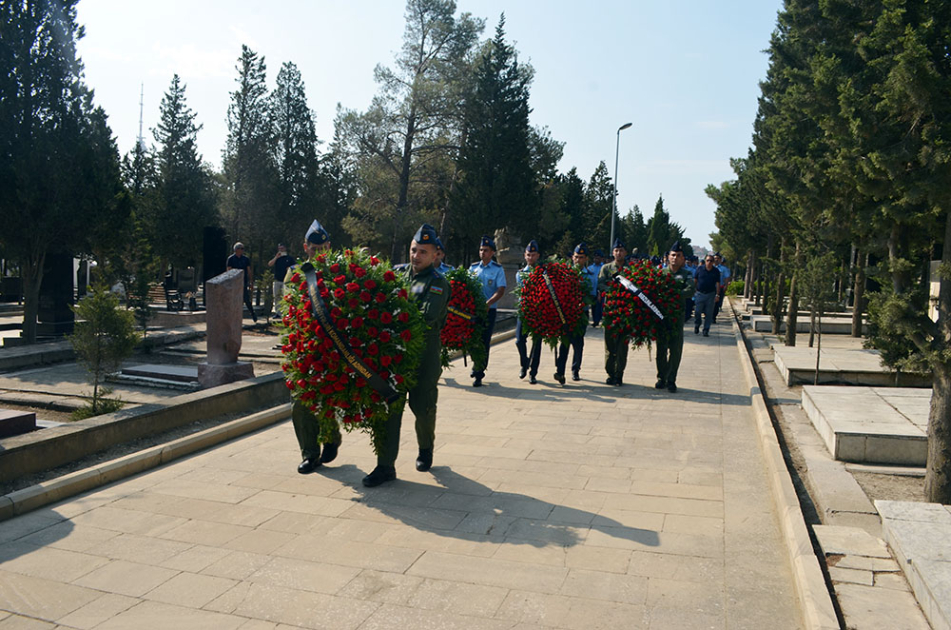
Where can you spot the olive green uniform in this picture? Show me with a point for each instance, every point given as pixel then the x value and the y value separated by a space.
pixel 306 424
pixel 670 347
pixel 615 348
pixel 430 290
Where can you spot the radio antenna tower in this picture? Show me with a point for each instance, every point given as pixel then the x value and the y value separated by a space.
pixel 140 142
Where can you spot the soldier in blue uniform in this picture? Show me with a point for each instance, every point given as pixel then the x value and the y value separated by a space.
pixel 492 277
pixel 441 265
pixel 306 424
pixel 430 291
pixel 598 307
pixel 529 362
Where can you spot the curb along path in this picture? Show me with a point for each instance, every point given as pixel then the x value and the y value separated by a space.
pixel 578 507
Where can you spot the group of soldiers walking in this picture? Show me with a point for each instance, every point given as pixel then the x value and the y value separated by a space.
pixel 431 292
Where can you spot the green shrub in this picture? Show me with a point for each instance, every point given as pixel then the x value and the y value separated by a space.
pixel 105 335
pixel 104 405
pixel 735 288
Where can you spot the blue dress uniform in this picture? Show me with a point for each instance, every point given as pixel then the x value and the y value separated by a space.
pixel 442 267
pixel 598 307
pixel 576 342
pixel 430 291
pixel 492 277
pixel 529 362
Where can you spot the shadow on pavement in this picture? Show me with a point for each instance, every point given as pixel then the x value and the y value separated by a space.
pixel 465 509
pixel 27 533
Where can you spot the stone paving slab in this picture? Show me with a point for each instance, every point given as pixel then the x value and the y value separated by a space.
pixel 849 366
pixel 920 536
pixel 577 507
pixel 871 425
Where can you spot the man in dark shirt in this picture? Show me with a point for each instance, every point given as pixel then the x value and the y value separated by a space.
pixel 708 289
pixel 239 261
pixel 281 263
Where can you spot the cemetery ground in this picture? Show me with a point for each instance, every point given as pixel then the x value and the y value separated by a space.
pixel 584 506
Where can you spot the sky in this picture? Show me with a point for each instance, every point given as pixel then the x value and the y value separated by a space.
pixel 684 72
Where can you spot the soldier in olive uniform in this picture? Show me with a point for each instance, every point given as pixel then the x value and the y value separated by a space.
pixel 527 360
pixel 306 424
pixel 580 259
pixel 670 347
pixel 430 291
pixel 615 348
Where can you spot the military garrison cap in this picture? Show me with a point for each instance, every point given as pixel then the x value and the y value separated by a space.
pixel 487 242
pixel 581 248
pixel 426 235
pixel 439 243
pixel 618 244
pixel 316 234
pixel 532 247
pixel 676 247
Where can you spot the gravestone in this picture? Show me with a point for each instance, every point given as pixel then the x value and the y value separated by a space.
pixel 224 298
pixel 54 317
pixel 16 422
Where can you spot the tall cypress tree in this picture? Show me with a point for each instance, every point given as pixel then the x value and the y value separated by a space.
pixel 183 192
pixel 598 207
pixel 249 172
pixel 497 188
pixel 295 153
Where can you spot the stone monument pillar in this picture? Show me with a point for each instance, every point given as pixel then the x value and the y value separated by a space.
pixel 54 317
pixel 224 299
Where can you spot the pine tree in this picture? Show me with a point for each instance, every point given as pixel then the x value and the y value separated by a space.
pixel 498 186
pixel 250 177
pixel 598 208
pixel 183 192
pixel 405 140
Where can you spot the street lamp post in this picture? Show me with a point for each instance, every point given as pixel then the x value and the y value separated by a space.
pixel 617 150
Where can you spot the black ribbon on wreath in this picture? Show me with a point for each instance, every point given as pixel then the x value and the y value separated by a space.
pixel 554 298
pixel 639 294
pixel 322 315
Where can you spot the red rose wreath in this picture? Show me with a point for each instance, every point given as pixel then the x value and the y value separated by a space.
pixel 352 352
pixel 465 321
pixel 627 305
pixel 552 302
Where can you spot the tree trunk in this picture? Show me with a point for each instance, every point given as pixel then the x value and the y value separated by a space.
pixel 812 326
pixel 32 275
pixel 748 277
pixel 858 293
pixel 792 315
pixel 938 474
pixel 777 314
pixel 405 165
pixel 815 380
pixel 754 279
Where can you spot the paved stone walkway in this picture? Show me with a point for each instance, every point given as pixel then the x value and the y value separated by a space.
pixel 578 507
